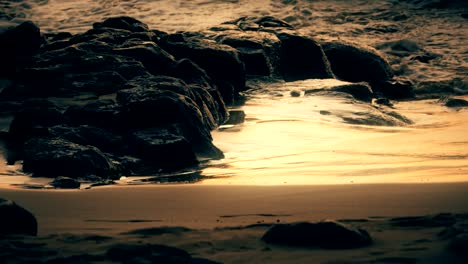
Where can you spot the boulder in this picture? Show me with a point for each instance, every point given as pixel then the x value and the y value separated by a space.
pixel 163 148
pixel 259 50
pixel 256 23
pixel 459 246
pixel 15 220
pixel 221 62
pixel 17 41
pixel 65 183
pixel 123 22
pixel 152 253
pixel 354 63
pixel 103 139
pixel 100 113
pixel 328 235
pixel 54 157
pixel 456 102
pixel 302 58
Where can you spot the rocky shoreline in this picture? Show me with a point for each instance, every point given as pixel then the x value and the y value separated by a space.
pixel 130 100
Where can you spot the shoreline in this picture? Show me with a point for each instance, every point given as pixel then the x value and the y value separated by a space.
pixel 122 208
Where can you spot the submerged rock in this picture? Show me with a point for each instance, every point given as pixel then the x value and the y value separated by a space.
pixel 15 220
pixel 360 91
pixel 329 235
pixel 53 157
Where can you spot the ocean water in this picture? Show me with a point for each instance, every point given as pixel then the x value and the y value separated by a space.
pixel 304 140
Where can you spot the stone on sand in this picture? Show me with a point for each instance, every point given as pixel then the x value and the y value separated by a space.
pixel 15 220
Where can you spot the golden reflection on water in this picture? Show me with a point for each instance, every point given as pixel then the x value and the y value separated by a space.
pixel 316 149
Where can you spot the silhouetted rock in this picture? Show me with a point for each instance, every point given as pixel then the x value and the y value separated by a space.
pixel 395 89
pixel 34 119
pixel 222 63
pixel 15 220
pixel 456 102
pixel 459 246
pixel 53 157
pixel 443 219
pixel 353 63
pixel 123 22
pixel 329 235
pixel 103 139
pixel 302 58
pixel 65 183
pixel 17 41
pixel 259 50
pixel 99 113
pixel 254 23
pixel 235 117
pixel 152 253
pixel 163 148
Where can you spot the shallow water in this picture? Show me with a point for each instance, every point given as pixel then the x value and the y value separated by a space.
pixel 303 140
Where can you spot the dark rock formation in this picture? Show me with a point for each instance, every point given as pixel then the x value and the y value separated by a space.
pixel 302 58
pixel 15 220
pixel 123 22
pixel 152 253
pixel 163 149
pixel 17 42
pixel 353 63
pixel 65 183
pixel 329 235
pixel 222 63
pixel 456 102
pixel 53 157
pixel 459 246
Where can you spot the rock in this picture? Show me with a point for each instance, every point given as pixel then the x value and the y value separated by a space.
pixel 456 102
pixel 15 220
pixel 65 183
pixel 259 50
pixel 328 235
pixel 353 63
pixel 235 117
pixel 34 119
pixel 222 63
pixel 302 58
pixel 103 139
pixel 53 157
pixel 395 89
pixel 16 42
pixel 163 148
pixel 152 253
pixel 360 91
pixel 254 23
pixel 166 107
pixel 100 113
pixel 401 48
pixel 123 22
pixel 459 246
pixel 434 89
pixel 100 83
pixel 439 220
pixel 295 93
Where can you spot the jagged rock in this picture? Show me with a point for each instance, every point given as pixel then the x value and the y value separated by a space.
pixel 302 58
pixel 34 119
pixel 259 50
pixel 99 113
pixel 329 235
pixel 65 183
pixel 163 148
pixel 353 63
pixel 221 62
pixel 53 157
pixel 255 23
pixel 16 42
pixel 395 89
pixel 166 107
pixel 123 22
pixel 15 220
pixel 103 139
